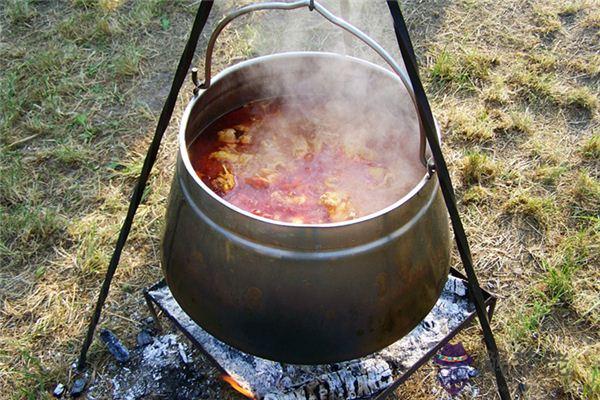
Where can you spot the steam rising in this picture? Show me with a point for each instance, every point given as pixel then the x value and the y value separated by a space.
pixel 358 107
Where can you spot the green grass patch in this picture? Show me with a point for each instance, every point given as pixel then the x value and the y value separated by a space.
pixel 13 177
pixel 128 63
pixel 33 379
pixel 544 61
pixel 463 69
pixel 93 239
pixel 89 28
pixel 538 209
pixel 24 224
pixel 549 175
pixel 477 167
pixel 525 326
pixel 521 121
pixel 585 192
pixel 580 97
pixel 476 195
pixel 546 19
pixel 496 90
pixel 537 86
pixel 19 11
pixel 473 125
pixel 580 373
pixel 559 281
pixel 572 261
pixel 591 148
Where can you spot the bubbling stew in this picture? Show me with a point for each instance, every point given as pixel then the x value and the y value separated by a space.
pixel 304 161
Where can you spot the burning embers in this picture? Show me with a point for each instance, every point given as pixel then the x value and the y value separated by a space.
pixel 238 387
pixel 362 378
pixel 302 160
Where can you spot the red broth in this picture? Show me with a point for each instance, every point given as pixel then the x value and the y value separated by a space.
pixel 292 160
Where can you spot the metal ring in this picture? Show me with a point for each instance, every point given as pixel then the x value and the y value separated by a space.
pixel 334 20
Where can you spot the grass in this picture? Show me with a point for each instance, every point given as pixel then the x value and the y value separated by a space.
pixel 19 11
pixel 544 87
pixel 591 148
pixel 513 84
pixel 527 328
pixel 128 64
pixel 472 125
pixel 465 70
pixel 535 208
pixel 476 167
pixel 585 191
pixel 476 195
pixel 581 373
pixel 549 175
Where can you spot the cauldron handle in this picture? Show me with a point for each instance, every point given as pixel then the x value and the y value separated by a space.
pixel 311 4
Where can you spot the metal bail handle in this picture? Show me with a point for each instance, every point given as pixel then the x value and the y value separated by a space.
pixel 314 5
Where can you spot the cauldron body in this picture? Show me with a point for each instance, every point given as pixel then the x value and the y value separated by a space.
pixel 303 294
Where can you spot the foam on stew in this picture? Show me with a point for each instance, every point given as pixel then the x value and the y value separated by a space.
pixel 305 160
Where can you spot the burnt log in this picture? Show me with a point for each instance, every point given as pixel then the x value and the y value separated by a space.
pixel 356 380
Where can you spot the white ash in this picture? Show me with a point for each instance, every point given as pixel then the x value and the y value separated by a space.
pixel 160 370
pixel 162 351
pixel 359 378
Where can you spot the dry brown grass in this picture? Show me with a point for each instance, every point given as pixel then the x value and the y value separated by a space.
pixel 514 84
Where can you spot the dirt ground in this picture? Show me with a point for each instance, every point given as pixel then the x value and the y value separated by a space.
pixel 514 85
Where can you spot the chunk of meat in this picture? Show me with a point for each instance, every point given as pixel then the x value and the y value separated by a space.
pixel 338 206
pixel 258 182
pixel 225 155
pixel 227 136
pixel 246 138
pixel 263 179
pixel 225 181
pixel 241 128
pixel 288 199
pixel 229 154
pixel 299 146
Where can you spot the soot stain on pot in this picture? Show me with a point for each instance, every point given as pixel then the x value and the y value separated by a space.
pixel 381 282
pixel 228 252
pixel 253 298
pixel 330 314
pixel 198 257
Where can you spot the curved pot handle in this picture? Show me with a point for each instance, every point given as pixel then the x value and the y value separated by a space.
pixel 314 5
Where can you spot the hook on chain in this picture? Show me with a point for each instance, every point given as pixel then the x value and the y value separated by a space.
pixel 197 84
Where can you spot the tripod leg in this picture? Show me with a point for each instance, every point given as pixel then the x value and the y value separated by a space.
pixel 163 122
pixel 441 169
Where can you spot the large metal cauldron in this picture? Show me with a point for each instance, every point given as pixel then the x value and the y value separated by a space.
pixel 303 294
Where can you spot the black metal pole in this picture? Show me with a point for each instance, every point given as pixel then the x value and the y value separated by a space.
pixel 163 122
pixel 462 243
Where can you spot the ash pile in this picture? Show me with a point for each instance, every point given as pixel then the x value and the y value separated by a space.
pixel 169 367
pixel 159 367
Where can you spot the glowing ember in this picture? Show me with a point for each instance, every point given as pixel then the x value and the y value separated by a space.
pixel 237 387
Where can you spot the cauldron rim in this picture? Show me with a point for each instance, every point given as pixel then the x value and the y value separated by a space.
pixel 183 148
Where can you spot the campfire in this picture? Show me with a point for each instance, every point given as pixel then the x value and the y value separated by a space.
pixel 367 377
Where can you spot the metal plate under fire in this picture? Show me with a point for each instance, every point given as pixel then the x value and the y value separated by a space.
pixel 372 377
